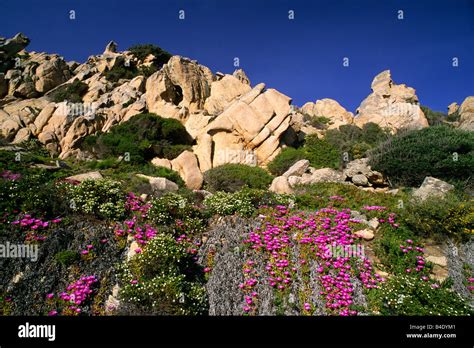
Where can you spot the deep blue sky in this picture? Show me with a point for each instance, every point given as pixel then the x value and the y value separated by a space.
pixel 301 58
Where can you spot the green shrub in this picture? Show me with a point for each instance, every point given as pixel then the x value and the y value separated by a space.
pixel 436 218
pixel 177 212
pixel 72 92
pixel 388 251
pixel 103 198
pixel 21 161
pixel 8 162
pixel 103 164
pixel 320 153
pixel 143 51
pixel 147 71
pixel 442 152
pixel 319 122
pixel 356 141
pixel 223 203
pixel 359 150
pixel 244 202
pixel 316 196
pixel 372 134
pixel 143 137
pixel 164 278
pixel 454 117
pixel 138 185
pixel 67 257
pixel 129 72
pixel 266 198
pixel 408 295
pixel 233 177
pixel 166 209
pixel 435 118
pixel 45 198
pixel 344 137
pixel 285 159
pixel 119 72
pixel 172 151
pixel 34 192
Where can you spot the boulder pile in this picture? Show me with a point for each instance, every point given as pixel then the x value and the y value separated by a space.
pixel 357 172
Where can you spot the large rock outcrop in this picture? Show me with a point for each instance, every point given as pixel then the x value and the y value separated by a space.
pixel 223 92
pixel 179 88
pixel 250 129
pixel 50 73
pixel 20 115
pixel 452 108
pixel 29 74
pixel 391 106
pixel 330 109
pixel 230 120
pixel 9 48
pixel 466 114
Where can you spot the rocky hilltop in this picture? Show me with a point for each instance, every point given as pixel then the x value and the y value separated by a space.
pixel 141 182
pixel 230 120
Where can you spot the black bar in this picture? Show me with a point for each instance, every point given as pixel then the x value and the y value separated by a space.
pixel 333 331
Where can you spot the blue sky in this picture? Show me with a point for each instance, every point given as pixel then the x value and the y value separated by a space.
pixel 301 58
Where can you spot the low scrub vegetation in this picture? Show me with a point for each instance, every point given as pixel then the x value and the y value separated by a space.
pixel 233 177
pixel 161 56
pixel 355 141
pixel 442 152
pixel 318 152
pixel 340 145
pixel 141 138
pixel 71 92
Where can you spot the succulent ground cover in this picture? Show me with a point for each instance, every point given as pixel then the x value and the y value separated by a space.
pixel 303 250
pixel 35 229
pixel 317 236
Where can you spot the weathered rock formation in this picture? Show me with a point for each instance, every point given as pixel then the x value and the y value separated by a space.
pixel 159 185
pixel 432 187
pixel 361 174
pixel 179 88
pixel 86 176
pixel 391 105
pixel 357 173
pixel 9 49
pixel 452 108
pixel 230 120
pixel 466 114
pixel 249 130
pixel 330 109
